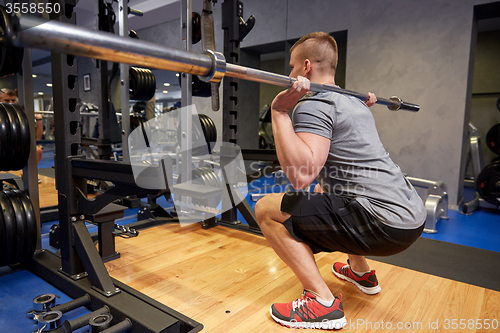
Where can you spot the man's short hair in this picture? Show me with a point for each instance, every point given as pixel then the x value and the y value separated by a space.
pixel 323 50
pixel 7 95
pixel 8 91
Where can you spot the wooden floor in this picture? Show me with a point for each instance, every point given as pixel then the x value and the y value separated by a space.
pixel 46 189
pixel 227 279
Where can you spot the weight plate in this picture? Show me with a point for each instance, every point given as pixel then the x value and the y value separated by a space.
pixel 10 229
pixel 25 136
pixel 493 139
pixel 213 128
pixel 211 123
pixel 140 84
pixel 211 136
pixel 197 137
pixel 204 126
pixel 152 85
pixel 203 176
pixel 15 149
pixel 133 82
pixel 195 28
pixel 201 88
pixel 3 242
pixel 212 182
pixel 11 57
pixel 488 184
pixel 31 232
pixel 5 140
pixel 21 225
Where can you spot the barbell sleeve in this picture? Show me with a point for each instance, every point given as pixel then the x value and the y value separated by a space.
pixel 65 38
pixel 210 66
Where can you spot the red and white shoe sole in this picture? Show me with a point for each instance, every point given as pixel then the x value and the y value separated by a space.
pixel 325 324
pixel 366 290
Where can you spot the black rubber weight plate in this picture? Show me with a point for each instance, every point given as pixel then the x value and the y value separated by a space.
pixel 31 233
pixel 208 133
pixel 204 126
pixel 213 131
pixel 133 82
pixel 493 139
pixel 25 136
pixel 15 136
pixel 10 57
pixel 10 229
pixel 5 140
pixel 3 242
pixel 21 225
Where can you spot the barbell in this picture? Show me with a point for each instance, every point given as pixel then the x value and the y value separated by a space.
pixel 210 66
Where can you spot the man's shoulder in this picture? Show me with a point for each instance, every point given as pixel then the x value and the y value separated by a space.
pixel 325 97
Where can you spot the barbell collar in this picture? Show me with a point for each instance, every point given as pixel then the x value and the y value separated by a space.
pixel 217 69
pixel 396 103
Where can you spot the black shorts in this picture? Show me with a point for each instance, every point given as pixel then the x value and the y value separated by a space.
pixel 328 223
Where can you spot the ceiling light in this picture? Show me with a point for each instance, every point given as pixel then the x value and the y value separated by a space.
pixel 40 93
pixel 165 91
pixel 49 84
pixel 166 84
pixel 177 74
pixel 34 75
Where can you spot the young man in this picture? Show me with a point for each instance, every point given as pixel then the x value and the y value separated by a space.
pixel 362 205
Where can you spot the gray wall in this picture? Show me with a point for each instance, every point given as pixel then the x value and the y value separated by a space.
pixel 417 50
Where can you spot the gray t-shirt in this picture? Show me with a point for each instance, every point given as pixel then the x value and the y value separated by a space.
pixel 358 165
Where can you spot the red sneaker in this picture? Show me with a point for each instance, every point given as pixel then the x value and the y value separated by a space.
pixel 367 283
pixel 307 312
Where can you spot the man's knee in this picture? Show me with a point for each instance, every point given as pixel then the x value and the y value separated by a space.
pixel 267 207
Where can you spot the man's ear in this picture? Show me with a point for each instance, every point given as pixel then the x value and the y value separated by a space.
pixel 307 67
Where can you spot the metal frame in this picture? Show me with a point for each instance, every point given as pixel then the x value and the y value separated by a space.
pixel 435 201
pixel 79 269
pixel 30 173
pixel 124 81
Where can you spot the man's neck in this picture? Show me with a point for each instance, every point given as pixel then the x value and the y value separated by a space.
pixel 323 80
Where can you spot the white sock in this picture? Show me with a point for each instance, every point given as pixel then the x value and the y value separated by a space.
pixel 324 303
pixel 358 273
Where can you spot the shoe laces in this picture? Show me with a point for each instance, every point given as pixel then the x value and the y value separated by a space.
pixel 300 302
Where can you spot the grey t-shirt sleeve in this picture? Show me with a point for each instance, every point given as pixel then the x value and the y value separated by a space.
pixel 314 116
